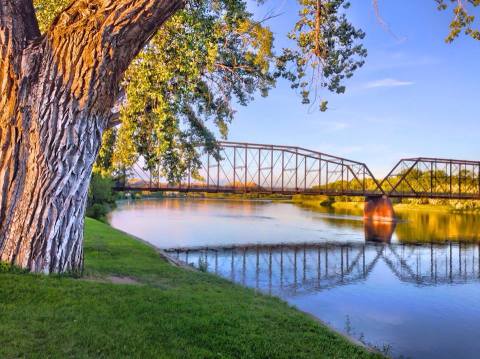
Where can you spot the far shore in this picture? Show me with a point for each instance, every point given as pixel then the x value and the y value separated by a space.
pixel 325 202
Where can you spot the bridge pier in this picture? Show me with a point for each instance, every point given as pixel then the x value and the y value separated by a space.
pixel 378 208
pixel 379 219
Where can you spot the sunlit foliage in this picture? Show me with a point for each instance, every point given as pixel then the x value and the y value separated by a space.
pixel 206 58
pixel 328 49
pixel 183 87
pixel 201 61
pixel 47 10
pixel 463 19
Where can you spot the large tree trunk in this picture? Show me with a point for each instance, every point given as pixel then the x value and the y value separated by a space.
pixel 57 92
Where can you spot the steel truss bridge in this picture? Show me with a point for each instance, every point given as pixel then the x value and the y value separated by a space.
pixel 298 268
pixel 267 169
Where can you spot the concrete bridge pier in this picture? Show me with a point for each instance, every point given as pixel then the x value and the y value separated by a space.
pixel 378 208
pixel 379 219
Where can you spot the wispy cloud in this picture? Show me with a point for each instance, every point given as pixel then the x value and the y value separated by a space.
pixel 333 126
pixel 388 82
pixel 387 60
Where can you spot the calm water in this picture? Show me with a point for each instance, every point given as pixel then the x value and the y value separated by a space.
pixel 414 289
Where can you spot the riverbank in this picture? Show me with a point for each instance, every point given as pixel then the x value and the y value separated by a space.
pixel 133 303
pixel 357 204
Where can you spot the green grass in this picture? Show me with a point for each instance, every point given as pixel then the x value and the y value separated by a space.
pixel 171 312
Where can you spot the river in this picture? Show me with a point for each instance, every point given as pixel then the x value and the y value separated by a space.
pixel 411 290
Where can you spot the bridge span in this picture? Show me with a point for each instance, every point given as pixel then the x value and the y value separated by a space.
pixel 270 169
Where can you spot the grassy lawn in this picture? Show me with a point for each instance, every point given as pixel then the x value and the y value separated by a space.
pixel 169 313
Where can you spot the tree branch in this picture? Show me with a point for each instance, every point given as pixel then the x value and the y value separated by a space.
pixel 93 42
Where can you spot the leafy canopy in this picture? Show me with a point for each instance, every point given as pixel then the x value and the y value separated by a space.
pixel 463 20
pixel 199 63
pixel 208 57
pixel 328 49
pixel 183 86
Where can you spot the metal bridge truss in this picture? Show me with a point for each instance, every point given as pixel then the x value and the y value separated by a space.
pixel 245 168
pixel 256 168
pixel 295 269
pixel 433 178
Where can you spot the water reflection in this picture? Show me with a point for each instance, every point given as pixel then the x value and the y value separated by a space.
pixel 203 222
pixel 438 226
pixel 414 286
pixel 288 270
pixel 414 225
pixel 378 231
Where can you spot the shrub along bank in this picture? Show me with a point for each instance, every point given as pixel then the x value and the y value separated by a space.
pixel 101 198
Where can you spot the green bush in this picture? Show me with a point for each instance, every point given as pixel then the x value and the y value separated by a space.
pixel 8 268
pixel 98 211
pixel 101 198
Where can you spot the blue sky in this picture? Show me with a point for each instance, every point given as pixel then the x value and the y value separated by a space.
pixel 416 95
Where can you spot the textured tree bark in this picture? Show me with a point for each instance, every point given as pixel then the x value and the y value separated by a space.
pixel 57 91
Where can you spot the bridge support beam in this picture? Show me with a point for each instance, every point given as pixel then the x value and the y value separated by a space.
pixel 378 208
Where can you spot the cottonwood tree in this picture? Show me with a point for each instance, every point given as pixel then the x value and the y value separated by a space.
pixel 57 92
pixel 60 91
pixel 207 56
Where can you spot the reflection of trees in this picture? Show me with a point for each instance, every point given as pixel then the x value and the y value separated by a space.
pixel 413 226
pixel 437 226
pixel 199 205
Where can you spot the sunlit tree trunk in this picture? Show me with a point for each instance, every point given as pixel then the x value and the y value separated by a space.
pixel 57 91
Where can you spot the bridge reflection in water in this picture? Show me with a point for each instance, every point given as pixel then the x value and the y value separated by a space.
pixel 289 270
